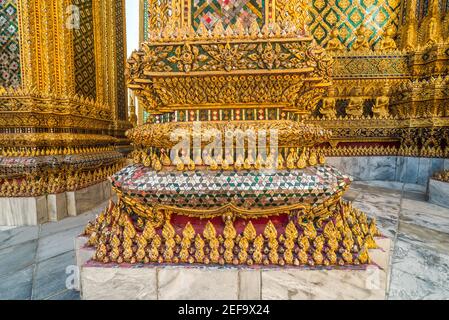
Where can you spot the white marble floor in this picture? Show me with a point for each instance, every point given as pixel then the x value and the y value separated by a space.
pixel 37 262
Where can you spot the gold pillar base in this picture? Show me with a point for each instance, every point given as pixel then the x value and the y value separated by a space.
pixel 343 237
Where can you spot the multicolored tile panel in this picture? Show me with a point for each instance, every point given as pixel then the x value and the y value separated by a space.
pixel 230 114
pixel 228 11
pixel 84 51
pixel 9 44
pixel 249 189
pixel 348 15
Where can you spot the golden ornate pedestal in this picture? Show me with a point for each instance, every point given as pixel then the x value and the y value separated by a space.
pixel 192 195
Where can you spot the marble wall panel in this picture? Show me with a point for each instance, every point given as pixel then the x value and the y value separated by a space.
pixel 402 169
pixel 57 207
pixel 198 283
pixel 23 211
pixel 250 285
pixel 424 170
pixel 83 200
pixel 410 170
pixel 439 193
pixel 381 168
pixel 237 283
pixel 119 283
pixel 446 164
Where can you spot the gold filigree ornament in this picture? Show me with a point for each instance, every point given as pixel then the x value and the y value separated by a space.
pixel 271 247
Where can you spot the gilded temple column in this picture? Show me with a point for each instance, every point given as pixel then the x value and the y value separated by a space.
pixel 110 59
pixel 56 121
pixel 408 29
pixel 46 46
pixel 434 24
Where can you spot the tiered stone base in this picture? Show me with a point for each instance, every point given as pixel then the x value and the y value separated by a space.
pixel 164 282
pixel 28 211
pixel 229 235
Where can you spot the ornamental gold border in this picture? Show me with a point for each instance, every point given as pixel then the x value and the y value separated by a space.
pixel 153 212
pixel 23 140
pixel 56 180
pixel 159 135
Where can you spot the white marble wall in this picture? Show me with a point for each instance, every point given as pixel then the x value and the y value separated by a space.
pixel 56 207
pixel 83 200
pixel 52 208
pixel 439 193
pixel 183 283
pixel 231 283
pixel 119 284
pixel 401 169
pixel 82 255
pixel 23 211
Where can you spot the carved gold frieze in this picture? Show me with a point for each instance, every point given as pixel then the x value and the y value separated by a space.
pixel 370 64
pixel 289 73
pixel 346 235
pixel 216 56
pixel 55 140
pixel 31 108
pixel 285 91
pixel 289 133
pixel 152 212
pixel 54 180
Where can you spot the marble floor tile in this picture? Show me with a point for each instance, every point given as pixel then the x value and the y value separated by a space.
pixel 375 193
pixel 16 236
pixel 16 258
pixel 406 286
pixel 379 192
pixel 50 277
pixel 425 214
pixel 58 243
pixel 417 196
pixel 420 268
pixel 351 194
pixel 387 227
pixel 66 295
pixel 415 187
pixel 422 264
pixel 390 185
pixel 66 224
pixel 17 286
pixel 383 208
pixel 422 237
pixel 422 206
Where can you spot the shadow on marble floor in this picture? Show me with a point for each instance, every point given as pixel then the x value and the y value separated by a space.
pixel 36 262
pixel 419 264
